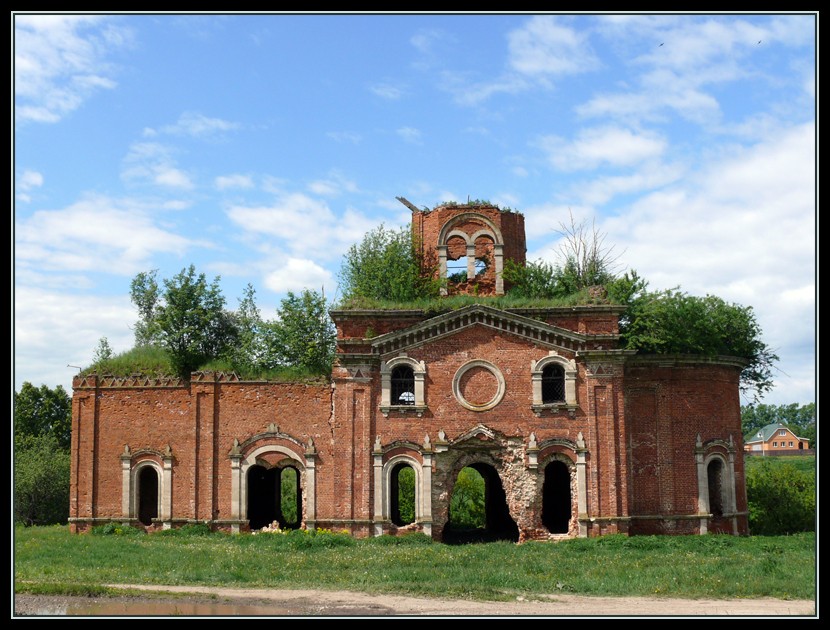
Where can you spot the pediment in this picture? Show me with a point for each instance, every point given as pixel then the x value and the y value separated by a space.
pixel 453 322
pixel 479 433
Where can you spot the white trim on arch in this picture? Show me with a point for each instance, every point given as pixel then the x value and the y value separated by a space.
pixel 568 365
pixel 491 231
pixel 419 371
pixel 727 487
pixel 390 466
pixel 130 482
pixel 239 507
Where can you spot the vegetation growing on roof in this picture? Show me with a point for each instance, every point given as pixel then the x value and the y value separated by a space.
pixel 184 326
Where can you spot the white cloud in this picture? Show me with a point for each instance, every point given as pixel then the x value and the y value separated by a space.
pixel 612 146
pixel 688 56
pixel 297 274
pixel 60 61
pixel 223 182
pixel 425 40
pixel 306 226
pixel 345 136
pixel 468 93
pixel 28 181
pixel 56 328
pixel 153 162
pixel 545 46
pixel 409 134
pixel 387 91
pixel 92 234
pixel 650 175
pixel 171 177
pixel 333 186
pixel 197 125
pixel 743 229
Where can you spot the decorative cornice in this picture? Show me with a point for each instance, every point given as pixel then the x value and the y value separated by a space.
pixel 93 381
pixel 682 360
pixel 272 432
pixel 478 314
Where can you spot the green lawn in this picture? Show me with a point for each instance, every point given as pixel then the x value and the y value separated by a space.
pixel 52 560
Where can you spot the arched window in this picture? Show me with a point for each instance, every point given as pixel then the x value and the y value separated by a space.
pixel 553 383
pixel 553 380
pixel 403 385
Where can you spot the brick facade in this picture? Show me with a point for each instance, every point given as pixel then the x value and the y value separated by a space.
pixel 636 444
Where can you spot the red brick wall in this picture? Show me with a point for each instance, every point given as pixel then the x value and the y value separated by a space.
pixel 670 402
pixel 640 425
pixel 199 423
pixel 427 226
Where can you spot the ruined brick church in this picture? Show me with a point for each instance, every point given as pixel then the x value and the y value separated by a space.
pixel 573 436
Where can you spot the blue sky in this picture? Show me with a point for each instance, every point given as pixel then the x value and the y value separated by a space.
pixel 260 147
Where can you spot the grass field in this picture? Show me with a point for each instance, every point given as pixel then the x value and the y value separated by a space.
pixel 52 560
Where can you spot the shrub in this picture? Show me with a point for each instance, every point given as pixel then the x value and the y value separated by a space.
pixel 782 499
pixel 41 481
pixel 116 529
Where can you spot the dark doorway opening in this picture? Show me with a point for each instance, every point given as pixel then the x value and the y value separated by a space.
pixel 556 498
pixel 263 496
pixel 478 508
pixel 148 495
pixel 274 494
pixel 715 473
pixel 403 495
pixel 291 498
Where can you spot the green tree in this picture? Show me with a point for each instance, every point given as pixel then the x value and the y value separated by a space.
pixel 288 494
pixel 406 494
pixel 583 260
pixel 671 321
pixel 386 265
pixel 145 294
pixel 187 318
pixel 781 498
pixel 41 480
pixel 103 352
pixel 247 352
pixel 534 280
pixel 467 505
pixel 42 411
pixel 303 334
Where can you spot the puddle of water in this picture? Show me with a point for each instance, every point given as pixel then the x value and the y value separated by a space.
pixel 166 609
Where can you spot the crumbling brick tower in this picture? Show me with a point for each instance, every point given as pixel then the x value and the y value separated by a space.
pixel 468 245
pixel 572 435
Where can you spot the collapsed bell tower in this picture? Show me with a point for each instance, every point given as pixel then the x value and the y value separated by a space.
pixel 467 245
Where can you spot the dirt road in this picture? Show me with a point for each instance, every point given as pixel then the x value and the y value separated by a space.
pixel 186 601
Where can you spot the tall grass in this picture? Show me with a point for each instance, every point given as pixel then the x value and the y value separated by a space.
pixel 712 566
pixel 154 361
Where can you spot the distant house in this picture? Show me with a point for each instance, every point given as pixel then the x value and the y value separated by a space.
pixel 775 438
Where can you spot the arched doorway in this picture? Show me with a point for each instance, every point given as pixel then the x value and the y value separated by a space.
pixel 402 495
pixel 478 508
pixel 714 472
pixel 148 495
pixel 556 498
pixel 291 498
pixel 274 494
